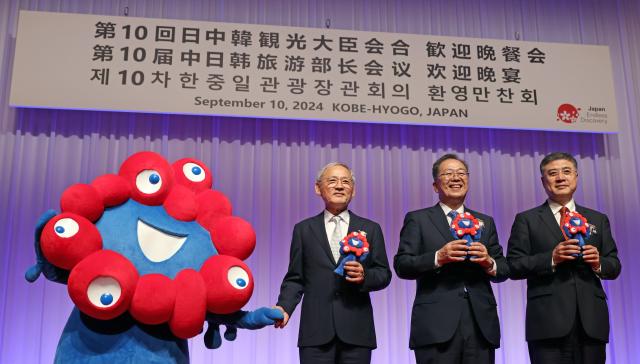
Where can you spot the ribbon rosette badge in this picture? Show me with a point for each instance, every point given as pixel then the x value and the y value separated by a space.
pixel 353 247
pixel 576 227
pixel 466 226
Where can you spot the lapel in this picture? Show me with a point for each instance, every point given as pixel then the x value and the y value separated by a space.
pixel 355 223
pixel 581 210
pixel 544 211
pixel 475 214
pixel 439 220
pixel 319 231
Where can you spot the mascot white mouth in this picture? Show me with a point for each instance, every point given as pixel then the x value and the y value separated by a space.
pixel 156 245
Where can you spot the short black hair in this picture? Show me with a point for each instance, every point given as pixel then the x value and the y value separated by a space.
pixel 557 156
pixel 436 164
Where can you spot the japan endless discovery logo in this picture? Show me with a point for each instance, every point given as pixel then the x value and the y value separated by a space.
pixel 570 114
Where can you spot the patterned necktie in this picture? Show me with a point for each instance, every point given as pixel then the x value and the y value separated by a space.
pixel 564 215
pixel 452 214
pixel 334 242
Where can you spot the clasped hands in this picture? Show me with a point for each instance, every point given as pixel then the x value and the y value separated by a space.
pixel 457 250
pixel 568 250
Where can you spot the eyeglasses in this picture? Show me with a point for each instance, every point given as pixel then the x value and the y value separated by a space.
pixel 566 172
pixel 333 181
pixel 449 174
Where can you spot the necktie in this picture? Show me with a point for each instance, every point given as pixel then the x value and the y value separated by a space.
pixel 564 215
pixel 334 242
pixel 452 214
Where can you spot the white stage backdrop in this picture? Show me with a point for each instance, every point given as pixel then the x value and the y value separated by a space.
pixel 267 167
pixel 99 62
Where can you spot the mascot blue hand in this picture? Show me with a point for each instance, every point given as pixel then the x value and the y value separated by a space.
pixel 212 339
pixel 264 316
pixel 252 320
pixel 230 333
pixel 42 265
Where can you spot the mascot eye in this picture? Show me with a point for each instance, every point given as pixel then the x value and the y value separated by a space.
pixel 238 277
pixel 66 228
pixel 104 292
pixel 193 172
pixel 148 181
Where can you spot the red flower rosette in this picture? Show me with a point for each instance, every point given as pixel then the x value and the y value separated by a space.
pixel 353 247
pixel 466 226
pixel 575 226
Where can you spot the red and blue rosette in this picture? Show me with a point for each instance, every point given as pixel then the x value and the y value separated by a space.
pixel 575 226
pixel 466 226
pixel 353 247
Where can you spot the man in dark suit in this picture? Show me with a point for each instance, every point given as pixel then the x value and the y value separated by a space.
pixel 567 319
pixel 454 317
pixel 336 324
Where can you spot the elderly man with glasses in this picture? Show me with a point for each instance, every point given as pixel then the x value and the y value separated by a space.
pixel 567 319
pixel 454 317
pixel 336 324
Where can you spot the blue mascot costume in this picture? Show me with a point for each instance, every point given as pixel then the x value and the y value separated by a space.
pixel 148 255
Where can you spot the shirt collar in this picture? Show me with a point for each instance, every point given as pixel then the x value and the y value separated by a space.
pixel 448 209
pixel 344 215
pixel 555 207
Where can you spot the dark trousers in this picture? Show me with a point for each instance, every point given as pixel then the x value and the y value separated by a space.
pixel 467 346
pixel 335 352
pixel 575 348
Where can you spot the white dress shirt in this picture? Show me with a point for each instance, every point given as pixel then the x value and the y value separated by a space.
pixel 330 226
pixel 555 208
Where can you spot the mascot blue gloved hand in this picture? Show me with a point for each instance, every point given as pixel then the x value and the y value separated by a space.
pixel 245 320
pixel 148 255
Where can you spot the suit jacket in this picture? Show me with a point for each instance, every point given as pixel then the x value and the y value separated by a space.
pixel 554 295
pixel 331 305
pixel 439 291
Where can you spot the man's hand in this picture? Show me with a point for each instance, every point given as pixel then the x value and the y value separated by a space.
pixel 480 255
pixel 564 250
pixel 591 256
pixel 354 271
pixel 280 324
pixel 453 251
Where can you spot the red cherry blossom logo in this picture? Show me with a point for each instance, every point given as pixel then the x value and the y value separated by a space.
pixel 568 113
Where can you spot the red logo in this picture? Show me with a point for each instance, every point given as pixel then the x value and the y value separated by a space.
pixel 568 113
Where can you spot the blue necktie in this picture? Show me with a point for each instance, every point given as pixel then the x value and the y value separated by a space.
pixel 452 214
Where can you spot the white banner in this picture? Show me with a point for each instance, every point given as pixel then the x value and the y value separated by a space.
pixel 95 62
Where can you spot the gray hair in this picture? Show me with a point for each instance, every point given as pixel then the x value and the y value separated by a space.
pixel 334 164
